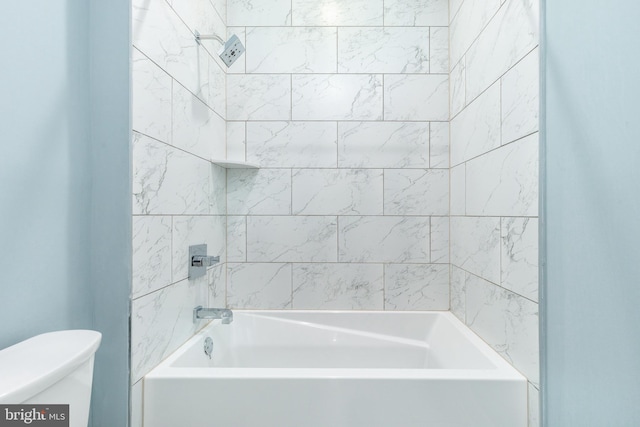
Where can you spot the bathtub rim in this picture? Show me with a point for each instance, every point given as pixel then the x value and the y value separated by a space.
pixel 503 371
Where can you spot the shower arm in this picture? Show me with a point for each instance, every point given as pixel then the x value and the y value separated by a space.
pixel 200 37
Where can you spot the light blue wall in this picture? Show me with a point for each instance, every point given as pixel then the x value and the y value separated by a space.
pixel 65 204
pixel 591 297
pixel 45 176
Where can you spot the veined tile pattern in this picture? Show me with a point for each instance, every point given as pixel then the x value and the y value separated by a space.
pixel 398 239
pixel 337 12
pixel 345 107
pixel 259 191
pixel 416 97
pixel 291 50
pixel 416 12
pixel 338 286
pixel 291 239
pixel 337 192
pixel 259 286
pixel 258 12
pixel 383 145
pixel 179 197
pixel 416 287
pixel 292 144
pixel 494 177
pixel 383 50
pixel 337 97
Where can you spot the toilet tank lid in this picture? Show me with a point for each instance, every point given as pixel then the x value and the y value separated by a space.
pixel 31 366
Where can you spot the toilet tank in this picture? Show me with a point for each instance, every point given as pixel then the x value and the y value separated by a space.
pixel 52 368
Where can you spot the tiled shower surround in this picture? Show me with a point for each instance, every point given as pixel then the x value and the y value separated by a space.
pixel 345 107
pixel 494 178
pixel 348 109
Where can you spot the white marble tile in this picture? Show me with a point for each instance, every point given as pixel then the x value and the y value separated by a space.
pixel 169 181
pixel 196 128
pixel 467 24
pixel 292 239
pixel 236 238
pixel 416 192
pixel 439 145
pixel 221 8
pixel 534 406
pixel 520 256
pixel 416 12
pixel 258 97
pixel 236 141
pixel 195 230
pixel 337 97
pixel 383 239
pixel 475 246
pixel 439 50
pixel 200 15
pixel 151 98
pixel 383 50
pixel 337 191
pixel 151 254
pixel 439 239
pixel 507 322
pixel 520 106
pixel 291 50
pixel 458 190
pixel 136 405
pixel 238 67
pixel 457 92
pixel 218 194
pixel 338 286
pixel 292 144
pixel 249 13
pixel 511 34
pixel 265 286
pixel 458 293
pixel 160 34
pixel 337 12
pixel 383 145
pixel 416 287
pixel 454 7
pixel 476 129
pixel 162 321
pixel 416 97
pixel 217 84
pixel 259 191
pixel 505 181
pixel 217 286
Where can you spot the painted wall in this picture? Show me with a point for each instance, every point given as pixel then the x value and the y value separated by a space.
pixel 65 157
pixel 45 180
pixel 179 197
pixel 494 177
pixel 591 341
pixel 344 105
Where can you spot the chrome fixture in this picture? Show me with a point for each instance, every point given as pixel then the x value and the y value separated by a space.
pixel 231 49
pixel 199 260
pixel 208 346
pixel 223 314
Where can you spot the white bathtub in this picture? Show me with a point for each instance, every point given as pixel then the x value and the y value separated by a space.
pixel 336 369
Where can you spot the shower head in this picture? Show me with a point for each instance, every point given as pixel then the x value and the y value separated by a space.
pixel 231 49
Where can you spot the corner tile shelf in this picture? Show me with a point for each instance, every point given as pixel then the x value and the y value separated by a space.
pixel 235 164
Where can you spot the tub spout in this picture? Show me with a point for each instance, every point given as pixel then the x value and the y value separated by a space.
pixel 223 314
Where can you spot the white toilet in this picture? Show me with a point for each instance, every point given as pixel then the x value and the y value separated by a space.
pixel 52 368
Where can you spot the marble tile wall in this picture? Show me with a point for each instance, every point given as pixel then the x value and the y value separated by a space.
pixel 345 107
pixel 494 177
pixel 179 196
